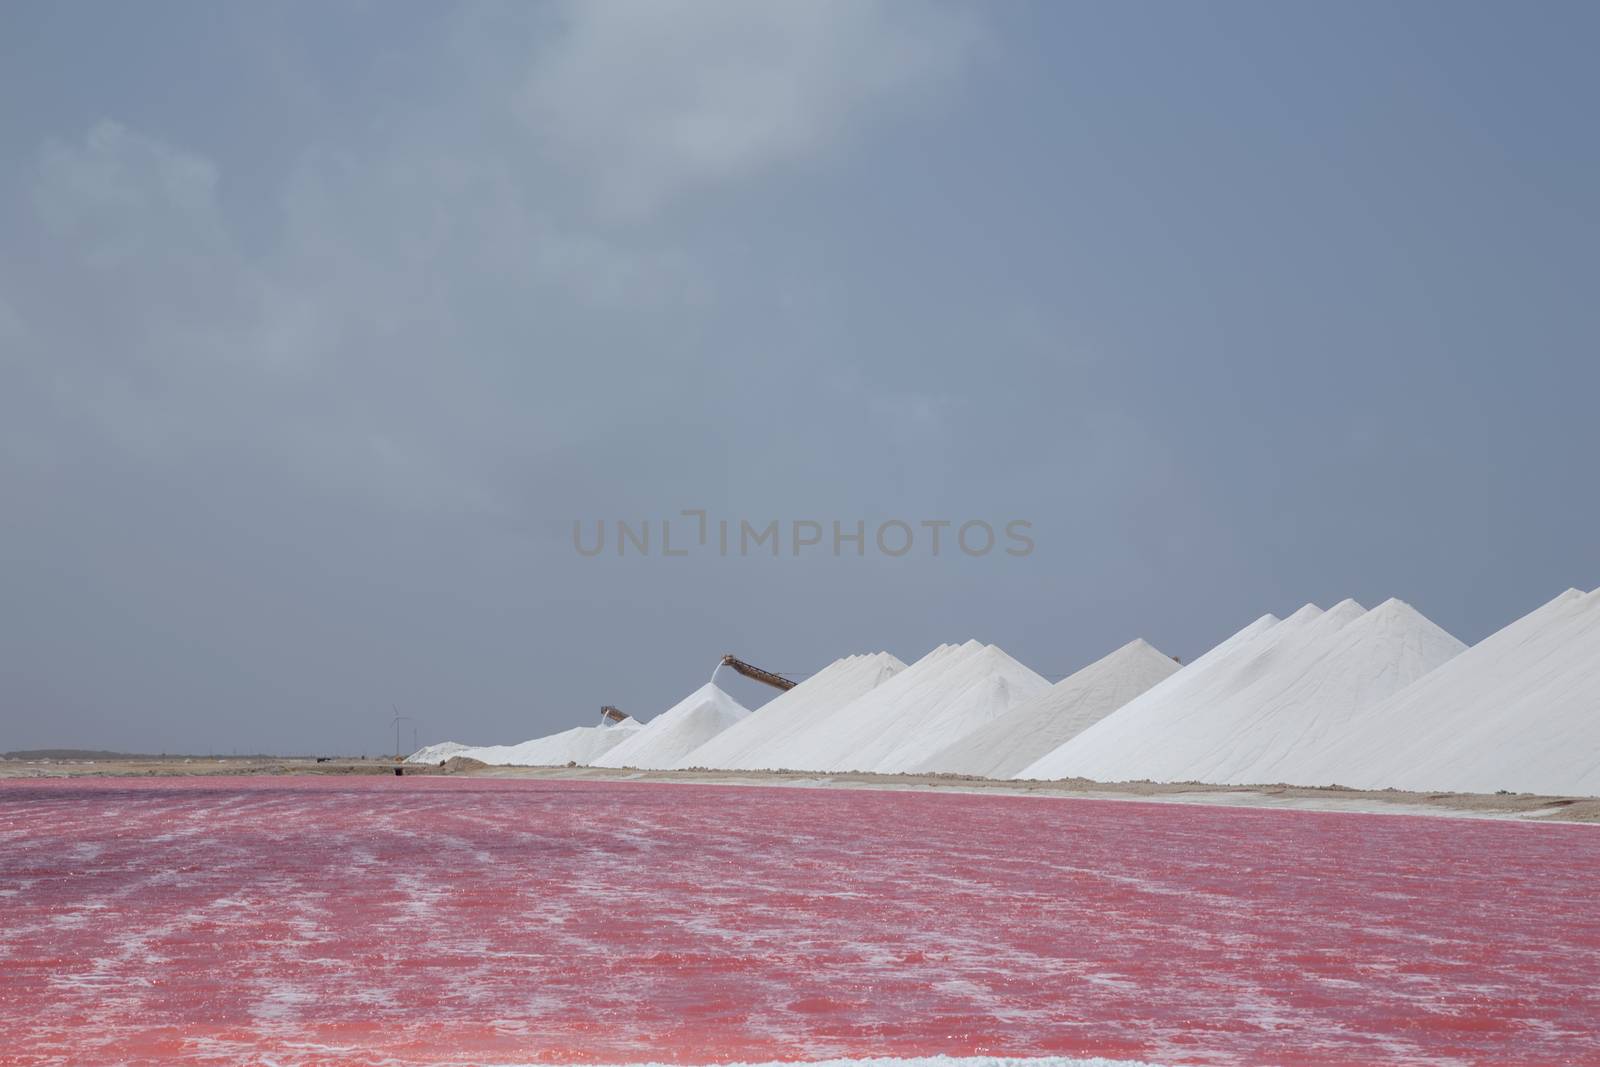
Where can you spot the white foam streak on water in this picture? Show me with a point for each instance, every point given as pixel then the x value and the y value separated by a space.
pixel 927 1061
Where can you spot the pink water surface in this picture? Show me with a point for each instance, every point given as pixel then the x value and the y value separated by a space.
pixel 437 920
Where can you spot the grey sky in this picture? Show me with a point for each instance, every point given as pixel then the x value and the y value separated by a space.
pixel 320 324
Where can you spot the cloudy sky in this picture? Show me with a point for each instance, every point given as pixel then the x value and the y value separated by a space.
pixel 321 324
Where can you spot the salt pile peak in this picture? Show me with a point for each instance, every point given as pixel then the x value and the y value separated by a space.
pixel 1309 700
pixel 813 744
pixel 1001 748
pixel 1300 631
pixel 991 684
pixel 1241 637
pixel 679 730
pixel 1235 663
pixel 1374 657
pixel 760 741
pixel 946 693
pixel 1517 711
pixel 1139 728
pixel 434 753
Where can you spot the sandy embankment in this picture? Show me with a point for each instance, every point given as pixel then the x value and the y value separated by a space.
pixel 1522 806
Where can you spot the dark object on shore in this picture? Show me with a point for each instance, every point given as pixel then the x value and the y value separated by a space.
pixel 399 772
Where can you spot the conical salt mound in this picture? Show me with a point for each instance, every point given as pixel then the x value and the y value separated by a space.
pixel 676 732
pixel 1227 646
pixel 581 744
pixel 1001 748
pixel 1517 711
pixel 990 684
pixel 1298 632
pixel 761 741
pixel 948 692
pixel 825 738
pixel 1133 741
pixel 1301 691
pixel 434 753
pixel 1305 705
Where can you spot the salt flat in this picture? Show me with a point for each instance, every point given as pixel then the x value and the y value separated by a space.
pixel 436 920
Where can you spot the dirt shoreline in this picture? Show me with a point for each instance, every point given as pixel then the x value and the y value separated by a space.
pixel 1520 806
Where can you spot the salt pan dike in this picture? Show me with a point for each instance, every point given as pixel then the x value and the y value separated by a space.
pixel 433 920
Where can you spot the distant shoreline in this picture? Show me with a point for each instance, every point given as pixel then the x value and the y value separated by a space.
pixel 1514 806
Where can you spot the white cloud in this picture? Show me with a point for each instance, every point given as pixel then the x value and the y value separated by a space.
pixel 425 303
pixel 134 295
pixel 645 101
pixel 393 338
pixel 123 195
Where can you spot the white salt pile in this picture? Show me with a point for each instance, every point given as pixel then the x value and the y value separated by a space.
pixel 991 684
pixel 1211 676
pixel 1002 748
pixel 1131 743
pixel 768 729
pixel 1274 649
pixel 1303 688
pixel 949 692
pixel 1370 699
pixel 1519 711
pixel 1309 699
pixel 581 745
pixel 434 753
pixel 676 732
pixel 805 735
pixel 1306 706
